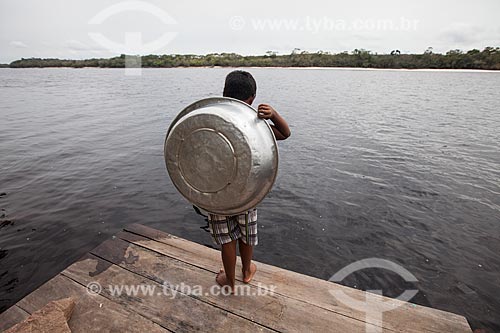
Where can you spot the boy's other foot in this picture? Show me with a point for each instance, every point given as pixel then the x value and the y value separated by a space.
pixel 222 280
pixel 248 275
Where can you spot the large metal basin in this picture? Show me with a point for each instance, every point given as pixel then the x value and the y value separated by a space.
pixel 221 156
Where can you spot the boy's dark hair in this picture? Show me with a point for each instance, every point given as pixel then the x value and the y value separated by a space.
pixel 240 85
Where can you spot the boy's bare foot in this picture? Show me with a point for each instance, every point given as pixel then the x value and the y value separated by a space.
pixel 248 275
pixel 222 281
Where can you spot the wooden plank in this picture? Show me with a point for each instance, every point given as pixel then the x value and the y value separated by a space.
pixel 405 318
pixel 92 313
pixel 12 316
pixel 179 314
pixel 274 311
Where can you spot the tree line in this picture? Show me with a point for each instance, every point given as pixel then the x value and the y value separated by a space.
pixel 488 59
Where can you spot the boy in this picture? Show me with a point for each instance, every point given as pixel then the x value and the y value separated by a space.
pixel 242 228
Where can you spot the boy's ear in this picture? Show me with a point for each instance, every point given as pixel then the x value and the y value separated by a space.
pixel 250 100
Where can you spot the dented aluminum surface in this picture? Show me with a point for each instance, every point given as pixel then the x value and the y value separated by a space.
pixel 221 156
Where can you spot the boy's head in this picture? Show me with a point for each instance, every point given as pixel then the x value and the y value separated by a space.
pixel 240 85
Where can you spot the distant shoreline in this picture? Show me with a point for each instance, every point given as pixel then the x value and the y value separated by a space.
pixel 451 70
pixel 488 59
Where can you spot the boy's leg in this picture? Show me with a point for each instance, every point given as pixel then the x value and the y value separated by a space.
pixel 249 268
pixel 248 228
pixel 225 231
pixel 227 276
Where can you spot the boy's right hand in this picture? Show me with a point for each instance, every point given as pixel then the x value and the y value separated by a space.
pixel 265 111
pixel 280 127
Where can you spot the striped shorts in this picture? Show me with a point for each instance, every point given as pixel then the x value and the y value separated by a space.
pixel 225 229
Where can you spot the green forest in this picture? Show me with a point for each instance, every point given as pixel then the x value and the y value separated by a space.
pixel 488 59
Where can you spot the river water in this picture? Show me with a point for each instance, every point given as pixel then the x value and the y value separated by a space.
pixel 397 165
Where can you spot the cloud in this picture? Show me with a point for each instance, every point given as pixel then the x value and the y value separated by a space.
pixel 18 44
pixel 75 45
pixel 463 34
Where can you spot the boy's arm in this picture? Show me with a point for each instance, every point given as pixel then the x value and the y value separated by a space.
pixel 280 126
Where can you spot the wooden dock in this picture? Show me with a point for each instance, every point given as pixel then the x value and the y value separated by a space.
pixel 144 256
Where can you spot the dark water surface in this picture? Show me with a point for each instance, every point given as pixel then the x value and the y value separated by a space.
pixel 398 165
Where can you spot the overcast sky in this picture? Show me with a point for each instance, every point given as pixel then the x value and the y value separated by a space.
pixel 104 28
